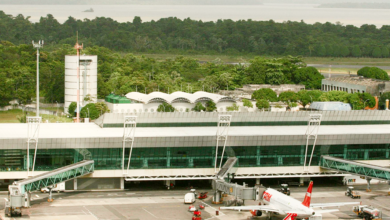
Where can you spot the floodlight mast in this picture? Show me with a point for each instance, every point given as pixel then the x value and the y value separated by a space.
pixel 78 47
pixel 38 46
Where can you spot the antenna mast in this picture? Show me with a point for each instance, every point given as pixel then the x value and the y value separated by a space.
pixel 78 47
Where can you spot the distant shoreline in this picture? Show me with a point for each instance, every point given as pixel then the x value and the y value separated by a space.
pixel 356 5
pixel 130 2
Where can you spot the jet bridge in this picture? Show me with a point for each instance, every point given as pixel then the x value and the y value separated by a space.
pixel 368 171
pixel 220 185
pixel 19 192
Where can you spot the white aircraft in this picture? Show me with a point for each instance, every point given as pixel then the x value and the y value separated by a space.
pixel 277 203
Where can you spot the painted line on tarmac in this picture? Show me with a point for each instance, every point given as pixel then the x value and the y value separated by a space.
pixel 220 213
pixel 387 208
pixel 91 213
pixel 150 213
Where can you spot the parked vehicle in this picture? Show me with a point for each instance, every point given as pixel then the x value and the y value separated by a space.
pixel 60 187
pixel 189 198
pixel 352 193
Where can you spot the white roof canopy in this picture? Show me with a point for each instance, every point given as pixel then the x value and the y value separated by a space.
pixel 178 97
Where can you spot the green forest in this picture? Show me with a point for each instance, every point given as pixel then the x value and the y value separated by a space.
pixel 173 35
pixel 122 73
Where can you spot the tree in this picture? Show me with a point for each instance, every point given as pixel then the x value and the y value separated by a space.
pixel 344 51
pixel 356 52
pixel 199 107
pixel 377 52
pixel 320 50
pixel 247 103
pixel 90 111
pixel 165 107
pixel 334 96
pixel 385 52
pixel 265 93
pixel 288 97
pixel 210 106
pixel 233 108
pixel 102 108
pixel 374 73
pixel 359 101
pixel 72 107
pixel 262 104
pixel 308 76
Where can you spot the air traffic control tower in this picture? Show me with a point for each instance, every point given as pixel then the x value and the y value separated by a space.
pixel 88 78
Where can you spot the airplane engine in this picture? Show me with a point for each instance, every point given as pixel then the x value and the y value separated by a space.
pixel 258 213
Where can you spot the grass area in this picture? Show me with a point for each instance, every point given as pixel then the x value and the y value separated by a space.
pixel 352 71
pixel 11 116
pixel 348 61
pixel 60 110
pixel 311 60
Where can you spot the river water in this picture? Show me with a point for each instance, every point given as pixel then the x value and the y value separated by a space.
pixel 277 12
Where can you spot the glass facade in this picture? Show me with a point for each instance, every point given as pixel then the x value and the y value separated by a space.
pixel 247 123
pixel 187 157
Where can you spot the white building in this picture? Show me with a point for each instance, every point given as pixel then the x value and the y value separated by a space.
pixel 181 101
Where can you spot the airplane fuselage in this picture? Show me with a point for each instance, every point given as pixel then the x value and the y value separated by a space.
pixel 286 203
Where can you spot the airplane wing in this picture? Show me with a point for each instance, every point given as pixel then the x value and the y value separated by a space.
pixel 326 211
pixel 266 208
pixel 335 204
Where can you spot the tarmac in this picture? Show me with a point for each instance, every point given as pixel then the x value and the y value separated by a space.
pixel 169 204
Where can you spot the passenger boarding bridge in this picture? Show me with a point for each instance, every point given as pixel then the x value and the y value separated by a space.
pixel 368 171
pixel 19 192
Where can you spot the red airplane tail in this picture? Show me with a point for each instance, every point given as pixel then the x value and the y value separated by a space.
pixel 306 201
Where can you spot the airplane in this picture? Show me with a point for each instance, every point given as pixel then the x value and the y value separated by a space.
pixel 277 203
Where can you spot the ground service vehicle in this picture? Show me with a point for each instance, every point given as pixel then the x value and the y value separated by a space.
pixel 203 195
pixel 352 193
pixel 60 187
pixel 197 215
pixel 284 189
pixel 189 198
pixel 367 212
pixel 279 204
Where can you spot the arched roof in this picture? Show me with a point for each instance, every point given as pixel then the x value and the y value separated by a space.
pixel 184 96
pixel 141 97
pixel 211 96
pixel 177 97
pixel 167 97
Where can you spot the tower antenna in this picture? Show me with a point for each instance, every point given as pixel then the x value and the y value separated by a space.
pixel 78 47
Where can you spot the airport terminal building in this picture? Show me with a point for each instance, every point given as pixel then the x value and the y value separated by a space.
pixel 182 145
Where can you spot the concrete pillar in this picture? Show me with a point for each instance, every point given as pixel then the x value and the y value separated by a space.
pixel 168 157
pixel 217 197
pixel 258 182
pixel 75 184
pixel 368 184
pixel 301 181
pixel 122 179
pixel 168 184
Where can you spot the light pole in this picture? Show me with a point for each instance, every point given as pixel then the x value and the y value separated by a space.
pixel 364 105
pixel 57 109
pixel 38 46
